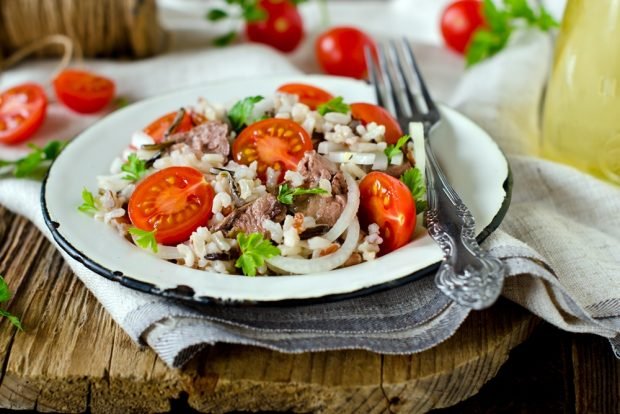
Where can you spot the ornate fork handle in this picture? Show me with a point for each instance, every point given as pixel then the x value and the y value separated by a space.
pixel 468 275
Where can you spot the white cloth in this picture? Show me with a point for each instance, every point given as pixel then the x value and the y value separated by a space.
pixel 560 239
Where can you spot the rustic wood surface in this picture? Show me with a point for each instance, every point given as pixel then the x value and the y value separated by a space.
pixel 73 358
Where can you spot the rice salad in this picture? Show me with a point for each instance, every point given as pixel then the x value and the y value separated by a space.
pixel 297 183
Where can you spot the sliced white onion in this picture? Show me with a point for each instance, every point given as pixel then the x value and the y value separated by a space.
pixel 416 130
pixel 368 147
pixel 140 138
pixel 325 147
pixel 381 162
pixel 321 264
pixel 168 252
pixel 397 159
pixel 349 213
pixel 362 158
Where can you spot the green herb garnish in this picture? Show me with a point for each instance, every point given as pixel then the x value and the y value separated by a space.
pixel 5 295
pixel 242 111
pixel 286 193
pixel 144 239
pixel 395 149
pixel 414 180
pixel 37 162
pixel 335 105
pixel 134 167
pixel 501 23
pixel 89 205
pixel 254 250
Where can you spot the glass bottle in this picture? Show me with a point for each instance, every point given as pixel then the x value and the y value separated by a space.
pixel 581 121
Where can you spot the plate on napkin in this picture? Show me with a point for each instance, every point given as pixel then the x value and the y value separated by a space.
pixel 472 161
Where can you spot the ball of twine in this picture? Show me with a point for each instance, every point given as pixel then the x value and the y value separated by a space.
pixel 110 28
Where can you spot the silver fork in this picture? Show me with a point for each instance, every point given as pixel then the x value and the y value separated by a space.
pixel 468 274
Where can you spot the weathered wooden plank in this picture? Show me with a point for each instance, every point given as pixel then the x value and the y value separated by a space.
pixel 596 376
pixel 72 357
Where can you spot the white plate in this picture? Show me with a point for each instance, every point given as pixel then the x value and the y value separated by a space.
pixel 473 163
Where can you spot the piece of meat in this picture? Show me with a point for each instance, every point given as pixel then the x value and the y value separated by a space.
pixel 353 260
pixel 208 138
pixel 325 210
pixel 249 218
pixel 397 170
pixel 314 167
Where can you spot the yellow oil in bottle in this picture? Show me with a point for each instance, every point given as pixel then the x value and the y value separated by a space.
pixel 581 123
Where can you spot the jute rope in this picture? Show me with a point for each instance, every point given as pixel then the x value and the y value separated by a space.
pixel 102 27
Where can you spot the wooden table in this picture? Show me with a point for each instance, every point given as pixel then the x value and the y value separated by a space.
pixel 73 358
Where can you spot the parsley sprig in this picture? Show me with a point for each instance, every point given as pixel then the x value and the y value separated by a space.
pixel 242 112
pixel 90 205
pixel 335 105
pixel 134 167
pixel 254 250
pixel 395 149
pixel 5 295
pixel 145 239
pixel 501 23
pixel 414 180
pixel 286 193
pixel 36 163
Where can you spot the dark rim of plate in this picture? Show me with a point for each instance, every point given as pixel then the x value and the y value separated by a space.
pixel 186 294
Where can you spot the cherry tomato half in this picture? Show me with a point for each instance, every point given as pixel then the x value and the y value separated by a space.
pixel 459 21
pixel 387 201
pixel 340 51
pixel 82 91
pixel 158 128
pixel 273 142
pixel 174 202
pixel 283 27
pixel 308 94
pixel 22 111
pixel 367 113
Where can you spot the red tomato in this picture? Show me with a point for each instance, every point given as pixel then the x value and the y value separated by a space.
pixel 82 91
pixel 174 202
pixel 387 201
pixel 459 21
pixel 308 94
pixel 22 111
pixel 273 142
pixel 340 51
pixel 283 28
pixel 366 113
pixel 158 128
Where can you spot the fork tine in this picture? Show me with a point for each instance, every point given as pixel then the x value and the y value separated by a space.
pixel 373 75
pixel 397 86
pixel 408 77
pixel 389 97
pixel 430 104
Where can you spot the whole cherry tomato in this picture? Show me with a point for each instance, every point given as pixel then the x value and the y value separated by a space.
pixel 174 202
pixel 387 201
pixel 340 51
pixel 459 21
pixel 22 111
pixel 307 94
pixel 283 28
pixel 83 91
pixel 367 112
pixel 276 143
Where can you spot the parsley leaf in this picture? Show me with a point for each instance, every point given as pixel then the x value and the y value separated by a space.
pixel 335 105
pixel 254 14
pixel 120 102
pixel 242 111
pixel 144 239
pixel 5 294
pixel 214 15
pixel 134 167
pixel 37 162
pixel 413 179
pixel 254 250
pixel 225 39
pixel 396 149
pixel 89 206
pixel 501 23
pixel 286 193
